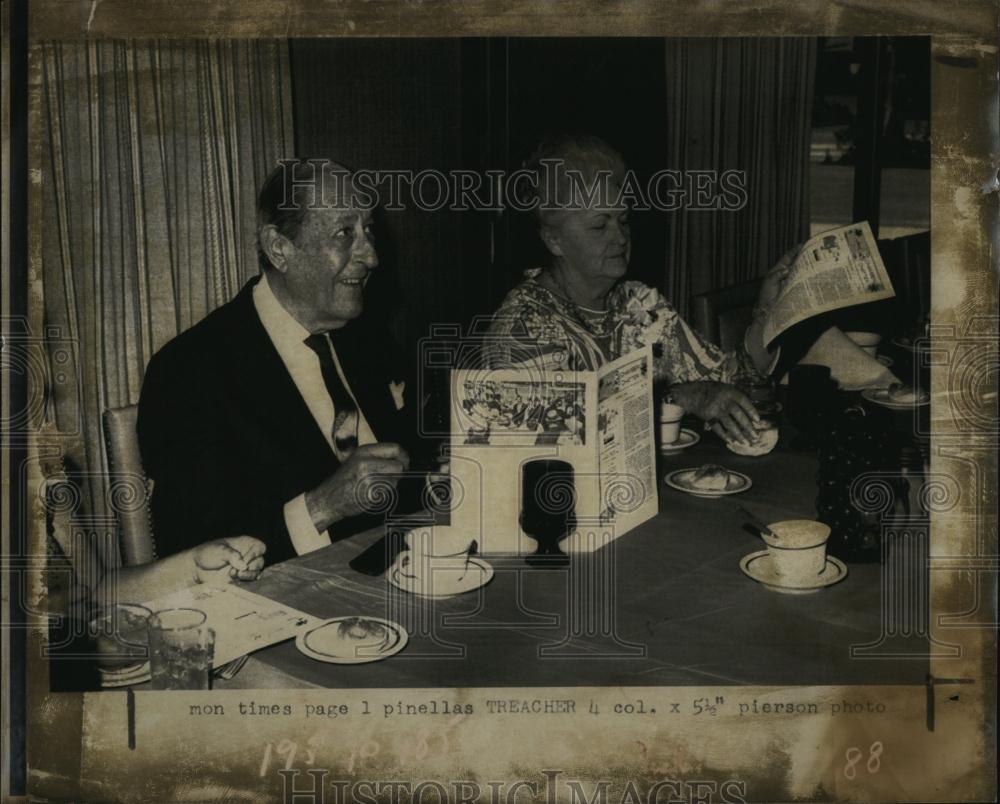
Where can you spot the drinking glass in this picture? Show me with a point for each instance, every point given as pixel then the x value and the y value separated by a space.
pixel 121 637
pixel 548 508
pixel 758 390
pixel 181 648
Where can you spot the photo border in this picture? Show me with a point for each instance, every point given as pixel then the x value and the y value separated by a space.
pixel 78 743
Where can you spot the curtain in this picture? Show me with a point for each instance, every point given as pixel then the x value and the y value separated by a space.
pixel 152 155
pixel 738 104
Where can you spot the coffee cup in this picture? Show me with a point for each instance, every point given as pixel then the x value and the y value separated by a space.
pixel 436 547
pixel 867 341
pixel 670 422
pixel 797 548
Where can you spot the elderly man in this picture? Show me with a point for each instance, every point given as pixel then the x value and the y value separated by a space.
pixel 274 415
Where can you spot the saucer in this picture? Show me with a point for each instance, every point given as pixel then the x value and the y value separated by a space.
pixel 686 438
pixel 880 396
pixel 885 361
pixel 325 643
pixel 736 483
pixel 444 581
pixel 759 567
pixel 905 343
pixel 112 678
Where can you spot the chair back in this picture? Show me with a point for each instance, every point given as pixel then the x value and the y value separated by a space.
pixel 129 488
pixel 722 316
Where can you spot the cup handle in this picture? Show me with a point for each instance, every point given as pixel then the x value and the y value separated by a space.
pixel 404 560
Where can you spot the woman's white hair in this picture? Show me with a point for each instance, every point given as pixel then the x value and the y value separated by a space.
pixel 566 165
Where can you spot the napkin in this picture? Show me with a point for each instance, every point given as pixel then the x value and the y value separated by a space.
pixel 850 365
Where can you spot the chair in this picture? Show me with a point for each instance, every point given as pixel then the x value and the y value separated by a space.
pixel 908 261
pixel 129 490
pixel 722 316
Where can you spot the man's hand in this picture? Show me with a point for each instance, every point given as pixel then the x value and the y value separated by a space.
pixel 774 280
pixel 344 492
pixel 226 560
pixel 437 485
pixel 730 413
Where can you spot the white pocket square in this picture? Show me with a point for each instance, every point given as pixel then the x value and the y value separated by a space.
pixel 397 389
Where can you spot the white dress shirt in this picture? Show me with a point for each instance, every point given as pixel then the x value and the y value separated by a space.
pixel 288 337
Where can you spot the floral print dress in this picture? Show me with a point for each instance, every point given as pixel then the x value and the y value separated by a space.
pixel 536 328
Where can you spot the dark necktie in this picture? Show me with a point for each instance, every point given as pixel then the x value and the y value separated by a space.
pixel 345 421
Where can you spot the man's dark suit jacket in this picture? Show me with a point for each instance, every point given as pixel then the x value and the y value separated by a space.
pixel 227 439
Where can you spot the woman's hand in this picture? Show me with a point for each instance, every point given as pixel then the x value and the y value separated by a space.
pixel 771 286
pixel 728 411
pixel 225 560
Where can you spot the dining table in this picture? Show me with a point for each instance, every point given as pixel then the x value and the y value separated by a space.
pixel 663 604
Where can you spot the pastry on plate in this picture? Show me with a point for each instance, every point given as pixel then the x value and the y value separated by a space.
pixel 362 631
pixel 710 477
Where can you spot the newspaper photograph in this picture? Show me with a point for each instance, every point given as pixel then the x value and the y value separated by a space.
pixel 568 402
pixel 536 412
pixel 839 268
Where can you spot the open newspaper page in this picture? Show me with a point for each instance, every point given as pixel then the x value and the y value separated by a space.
pixel 625 438
pixel 839 268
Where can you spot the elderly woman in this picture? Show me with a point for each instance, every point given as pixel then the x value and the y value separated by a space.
pixel 580 312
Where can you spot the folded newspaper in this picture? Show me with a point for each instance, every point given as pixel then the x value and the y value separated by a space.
pixel 835 269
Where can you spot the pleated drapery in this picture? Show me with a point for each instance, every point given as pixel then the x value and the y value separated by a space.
pixel 153 154
pixel 738 104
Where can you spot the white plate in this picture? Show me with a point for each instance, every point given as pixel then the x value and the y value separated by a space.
pixel 880 396
pixel 760 567
pixel 445 581
pixel 323 644
pixel 736 483
pixel 687 438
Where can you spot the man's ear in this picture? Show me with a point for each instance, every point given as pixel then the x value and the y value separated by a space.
pixel 551 240
pixel 275 246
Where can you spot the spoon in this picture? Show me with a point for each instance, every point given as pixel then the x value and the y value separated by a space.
pixel 759 524
pixel 474 547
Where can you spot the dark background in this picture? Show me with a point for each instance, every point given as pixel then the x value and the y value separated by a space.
pixel 483 103
pixel 474 104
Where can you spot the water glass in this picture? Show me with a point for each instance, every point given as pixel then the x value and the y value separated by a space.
pixel 181 648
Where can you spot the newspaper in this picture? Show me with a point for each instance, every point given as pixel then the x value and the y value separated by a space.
pixel 838 268
pixel 627 462
pixel 599 422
